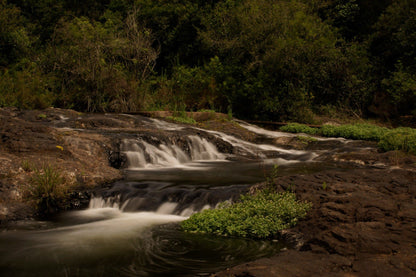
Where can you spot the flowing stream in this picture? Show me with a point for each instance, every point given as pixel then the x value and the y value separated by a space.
pixel 131 228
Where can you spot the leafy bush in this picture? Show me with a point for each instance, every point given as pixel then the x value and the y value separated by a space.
pixel 299 128
pixel 46 188
pixel 256 216
pixel 399 139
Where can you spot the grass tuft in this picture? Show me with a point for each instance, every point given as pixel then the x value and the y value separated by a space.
pixel 47 188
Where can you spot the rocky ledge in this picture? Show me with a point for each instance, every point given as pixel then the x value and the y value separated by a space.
pixel 363 223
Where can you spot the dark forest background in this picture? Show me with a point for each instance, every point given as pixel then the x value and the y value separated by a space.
pixel 257 59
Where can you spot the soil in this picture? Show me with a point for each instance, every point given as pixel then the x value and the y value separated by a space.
pixel 362 223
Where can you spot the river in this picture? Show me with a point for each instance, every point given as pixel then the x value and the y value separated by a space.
pixel 132 227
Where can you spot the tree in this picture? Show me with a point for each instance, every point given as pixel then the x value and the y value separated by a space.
pixel 98 66
pixel 15 40
pixel 394 48
pixel 280 59
pixel 175 25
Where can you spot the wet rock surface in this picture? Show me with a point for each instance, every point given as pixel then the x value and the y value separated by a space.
pixel 362 223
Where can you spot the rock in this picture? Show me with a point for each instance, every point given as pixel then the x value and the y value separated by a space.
pixel 363 224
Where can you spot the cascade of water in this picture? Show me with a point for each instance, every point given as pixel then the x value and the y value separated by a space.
pixel 141 154
pixel 201 149
pixel 259 149
pixel 99 203
pixel 163 198
pixel 139 204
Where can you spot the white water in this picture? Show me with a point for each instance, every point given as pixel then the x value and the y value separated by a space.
pixel 258 149
pixel 164 125
pixel 264 132
pixel 112 207
pixel 141 154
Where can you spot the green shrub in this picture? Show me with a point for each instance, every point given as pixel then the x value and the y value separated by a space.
pixel 261 216
pixel 399 139
pixel 299 128
pixel 46 188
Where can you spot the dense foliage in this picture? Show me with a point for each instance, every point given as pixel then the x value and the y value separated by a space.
pixel 268 59
pixel 261 215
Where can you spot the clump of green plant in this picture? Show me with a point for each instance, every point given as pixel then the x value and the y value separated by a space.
pixel 299 128
pixel 399 139
pixel 47 188
pixel 257 216
pixel 354 131
pixel 27 166
pixel 182 119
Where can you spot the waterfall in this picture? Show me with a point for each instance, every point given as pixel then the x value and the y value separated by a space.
pixel 141 154
pixel 201 149
pixel 163 198
pixel 140 204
